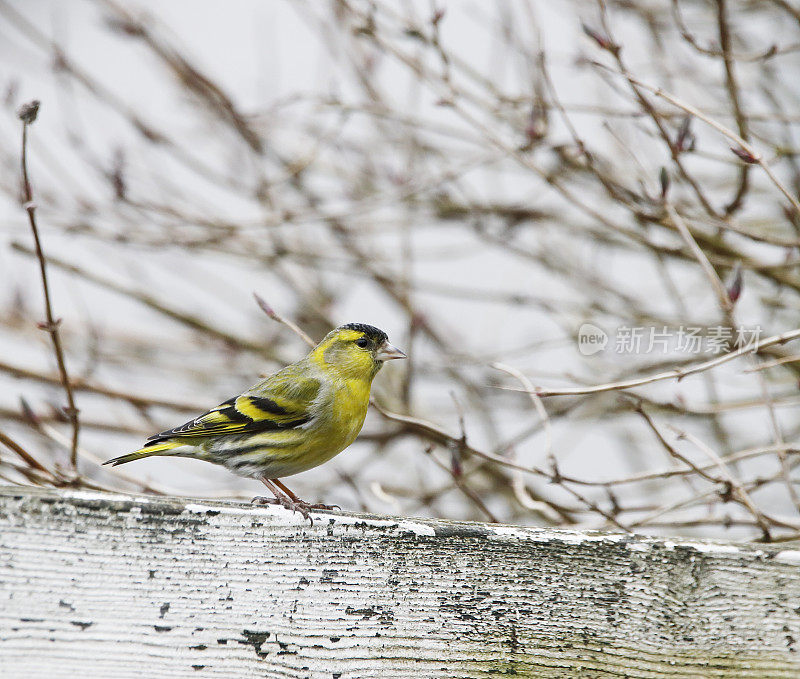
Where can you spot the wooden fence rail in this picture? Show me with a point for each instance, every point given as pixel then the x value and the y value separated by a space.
pixel 147 587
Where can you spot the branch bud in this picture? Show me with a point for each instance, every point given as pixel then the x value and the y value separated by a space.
pixel 685 140
pixel 745 155
pixel 601 40
pixel 736 283
pixel 663 177
pixel 27 112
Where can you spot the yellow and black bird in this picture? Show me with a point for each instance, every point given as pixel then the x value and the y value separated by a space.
pixel 289 422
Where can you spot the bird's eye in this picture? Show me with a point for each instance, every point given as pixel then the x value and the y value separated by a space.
pixel 362 342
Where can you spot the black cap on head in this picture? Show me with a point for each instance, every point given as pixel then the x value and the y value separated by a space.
pixel 375 334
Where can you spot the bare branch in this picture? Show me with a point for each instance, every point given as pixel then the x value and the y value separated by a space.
pixel 27 114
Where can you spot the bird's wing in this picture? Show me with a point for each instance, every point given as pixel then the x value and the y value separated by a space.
pixel 282 401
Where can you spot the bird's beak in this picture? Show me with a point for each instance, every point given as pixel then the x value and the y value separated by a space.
pixel 387 352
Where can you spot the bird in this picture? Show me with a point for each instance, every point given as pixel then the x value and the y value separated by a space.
pixel 291 421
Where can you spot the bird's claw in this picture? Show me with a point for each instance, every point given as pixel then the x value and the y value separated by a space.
pixel 261 500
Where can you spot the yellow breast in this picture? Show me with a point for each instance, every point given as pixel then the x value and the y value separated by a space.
pixel 348 409
pixel 341 417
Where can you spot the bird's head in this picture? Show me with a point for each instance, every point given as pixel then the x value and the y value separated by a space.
pixel 355 350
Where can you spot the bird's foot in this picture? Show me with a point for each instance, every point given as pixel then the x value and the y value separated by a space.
pixel 294 505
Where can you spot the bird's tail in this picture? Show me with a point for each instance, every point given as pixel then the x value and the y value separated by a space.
pixel 162 448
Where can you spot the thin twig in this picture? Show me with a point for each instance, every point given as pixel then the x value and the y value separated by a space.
pixel 275 316
pixel 27 114
pixel 779 438
pixel 29 459
pixel 765 365
pixel 719 289
pixel 734 94
pixel 537 403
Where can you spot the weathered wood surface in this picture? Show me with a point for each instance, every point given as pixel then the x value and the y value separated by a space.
pixel 144 587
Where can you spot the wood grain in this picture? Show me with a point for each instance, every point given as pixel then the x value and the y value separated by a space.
pixel 144 587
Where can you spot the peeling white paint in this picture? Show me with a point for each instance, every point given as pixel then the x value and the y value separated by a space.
pixel 502 530
pixel 94 496
pixel 788 556
pixel 706 547
pixel 419 529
